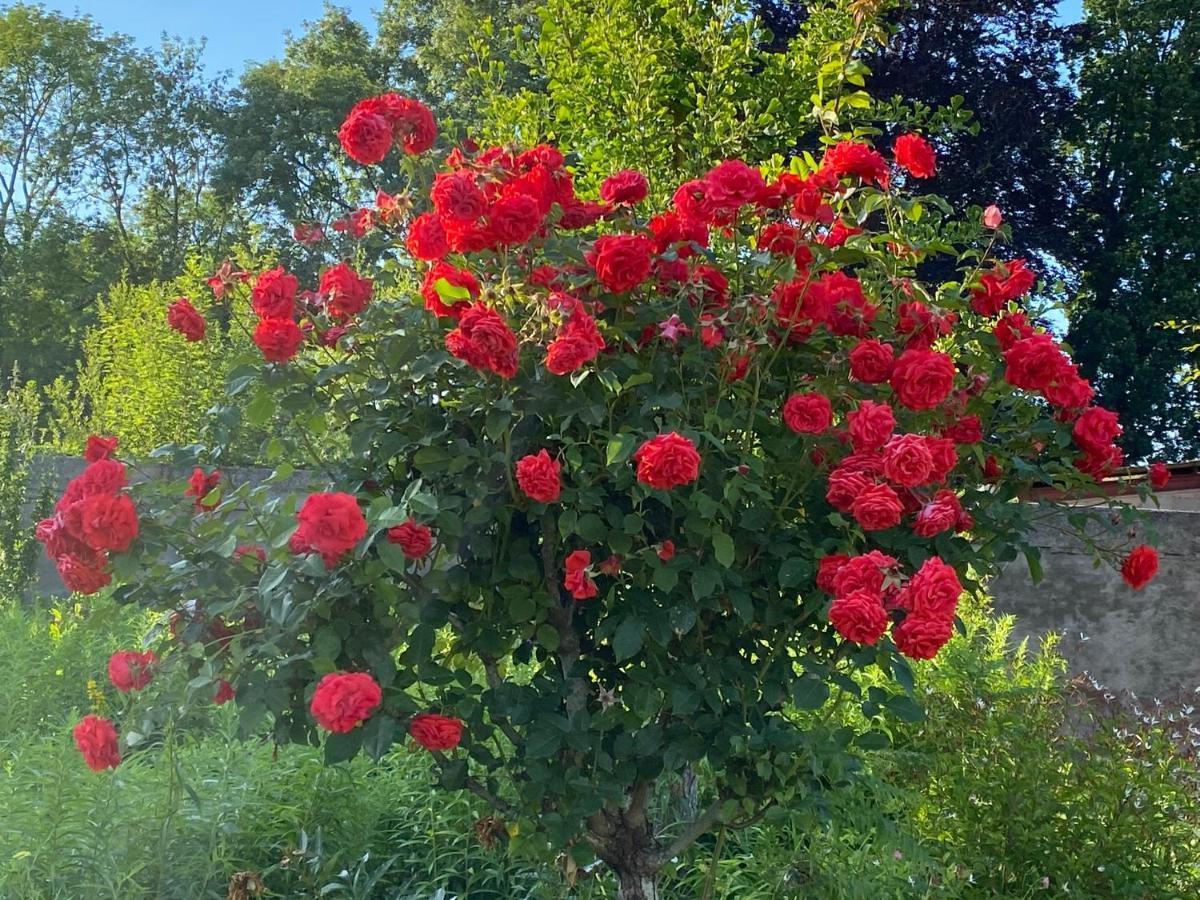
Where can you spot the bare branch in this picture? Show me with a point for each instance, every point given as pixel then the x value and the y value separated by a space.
pixel 699 826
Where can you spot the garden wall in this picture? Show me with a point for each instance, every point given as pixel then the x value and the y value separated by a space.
pixel 1144 641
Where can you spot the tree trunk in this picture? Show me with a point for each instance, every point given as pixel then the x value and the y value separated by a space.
pixel 637 887
pixel 625 841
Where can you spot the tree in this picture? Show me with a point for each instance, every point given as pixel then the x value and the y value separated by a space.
pixel 1138 244
pixel 621 501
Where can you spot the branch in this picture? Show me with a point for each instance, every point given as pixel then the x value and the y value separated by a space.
pixel 473 785
pixel 494 681
pixel 700 825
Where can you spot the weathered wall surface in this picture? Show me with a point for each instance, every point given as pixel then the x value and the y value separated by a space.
pixel 1144 641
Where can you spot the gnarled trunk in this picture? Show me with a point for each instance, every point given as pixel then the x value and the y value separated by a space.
pixel 637 887
pixel 625 841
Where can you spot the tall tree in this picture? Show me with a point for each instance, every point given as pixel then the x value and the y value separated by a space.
pixel 1138 228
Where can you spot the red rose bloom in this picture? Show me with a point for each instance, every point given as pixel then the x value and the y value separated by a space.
pixel 577 581
pixel 731 185
pixel 1140 566
pixel 918 637
pixel 99 448
pixel 1096 429
pixel 331 525
pixel 201 485
pixel 626 187
pixel 457 198
pixel 346 295
pixel 944 513
pixel 666 550
pixel 426 238
pixel 844 487
pixel 434 732
pixel 922 379
pixel 81 577
pixel 278 339
pixel 850 158
pixel 415 540
pixel 915 154
pixel 1160 476
pixel 667 461
pixel 808 413
pixel 859 617
pixel 780 239
pixel 109 522
pixel 621 261
pixel 672 231
pixel 1006 282
pixel 827 570
pixel 514 220
pixel 578 342
pixel 862 573
pixel 877 507
pixel 274 294
pixel 933 592
pixel 1011 328
pixel 967 430
pixel 1033 363
pixel 907 460
pixel 455 278
pixel 365 136
pixel 871 425
pixel 413 125
pixel 184 318
pixel 871 361
pixel 484 340
pixel 344 699
pixel 129 670
pixel 539 477
pixel 96 739
pixel 224 693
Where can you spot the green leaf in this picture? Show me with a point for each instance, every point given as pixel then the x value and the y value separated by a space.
pixel 342 747
pixel 450 292
pixel 793 571
pixel 873 740
pixel 905 708
pixel 628 639
pixel 547 636
pixel 620 448
pixel 809 693
pixel 723 548
pixel 378 735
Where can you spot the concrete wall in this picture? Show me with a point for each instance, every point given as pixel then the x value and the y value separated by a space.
pixel 1146 641
pixel 1143 641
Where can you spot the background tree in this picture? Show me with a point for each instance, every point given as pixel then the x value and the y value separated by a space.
pixel 1137 230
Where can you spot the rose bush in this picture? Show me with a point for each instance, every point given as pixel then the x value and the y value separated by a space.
pixel 629 492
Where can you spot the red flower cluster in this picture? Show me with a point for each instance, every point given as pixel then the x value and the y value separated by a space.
pixel 184 318
pixel 200 486
pixel 96 739
pixel 577 581
pixel 539 477
pixel 484 341
pixel 578 341
pixel 346 295
pixel 435 733
pixel 331 525
pixel 129 670
pixel 99 448
pixel 344 699
pixel 273 299
pixel 94 517
pixel 375 124
pixel 415 540
pixel 1007 282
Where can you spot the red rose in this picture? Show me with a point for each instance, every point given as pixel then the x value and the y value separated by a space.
pixel 626 187
pixel 346 295
pixel 877 507
pixel 224 693
pixel 918 637
pixel 907 460
pixel 539 477
pixel 274 294
pixel 514 220
pixel 201 485
pixel 871 425
pixel 915 154
pixel 1033 363
pixel 871 361
pixel 808 413
pixel 184 318
pixel 850 158
pixel 1096 429
pixel 862 573
pixel 426 238
pixel 1160 476
pixel 966 430
pixel 666 550
pixel 1140 566
pixel 933 592
pixel 1012 328
pixel 859 617
pixel 278 339
pixel 922 379
pixel 81 577
pixel 844 487
pixel 484 340
pixel 672 231
pixel 434 732
pixel 344 699
pixel 96 739
pixel 611 566
pixel 1006 282
pixel 109 522
pixel 415 540
pixel 577 581
pixel 827 570
pixel 455 278
pixel 254 550
pixel 621 261
pixel 456 197
pixel 944 513
pixel 667 461
pixel 331 525
pixel 99 448
pixel 578 342
pixel 365 136
pixel 129 670
pixel 412 122
pixel 733 184
pixel 780 239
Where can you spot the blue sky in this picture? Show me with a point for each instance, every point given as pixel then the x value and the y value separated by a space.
pixel 243 30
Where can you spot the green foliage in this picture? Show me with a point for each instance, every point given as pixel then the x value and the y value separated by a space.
pixel 20 412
